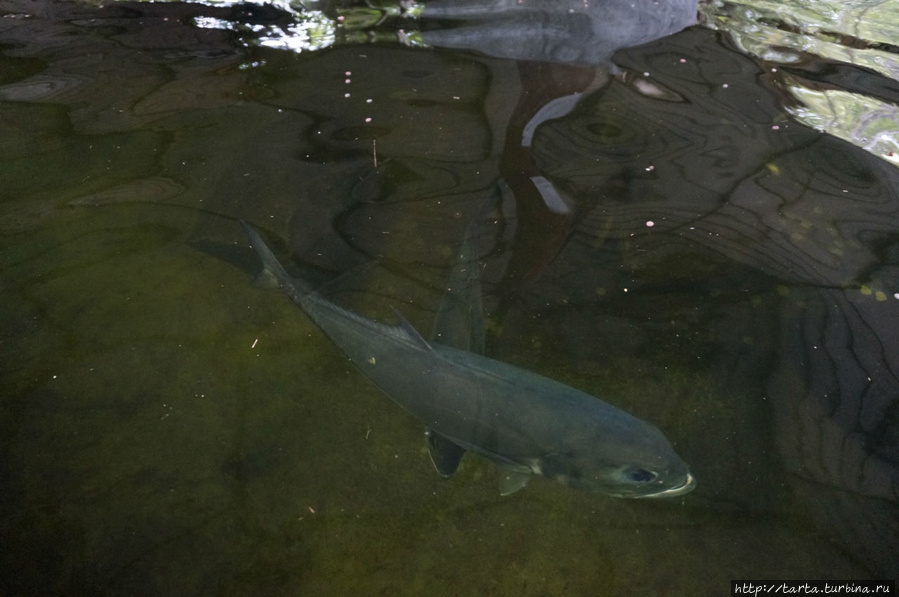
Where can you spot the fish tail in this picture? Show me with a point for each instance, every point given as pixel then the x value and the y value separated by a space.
pixel 272 267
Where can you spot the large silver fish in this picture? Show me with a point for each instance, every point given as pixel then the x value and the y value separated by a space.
pixel 525 423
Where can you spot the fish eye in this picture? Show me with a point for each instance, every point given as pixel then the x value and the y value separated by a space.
pixel 640 475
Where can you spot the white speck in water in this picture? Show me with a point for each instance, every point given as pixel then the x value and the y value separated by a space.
pixel 650 223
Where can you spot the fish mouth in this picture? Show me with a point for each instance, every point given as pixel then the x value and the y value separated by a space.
pixel 687 486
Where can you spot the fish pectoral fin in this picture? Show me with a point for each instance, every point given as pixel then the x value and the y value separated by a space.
pixel 411 332
pixel 511 481
pixel 445 454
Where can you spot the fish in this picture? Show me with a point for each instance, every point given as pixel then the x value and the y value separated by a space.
pixel 527 424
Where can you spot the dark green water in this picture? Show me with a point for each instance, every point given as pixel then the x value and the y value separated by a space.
pixel 168 429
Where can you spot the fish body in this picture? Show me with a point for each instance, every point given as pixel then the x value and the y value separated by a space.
pixel 524 422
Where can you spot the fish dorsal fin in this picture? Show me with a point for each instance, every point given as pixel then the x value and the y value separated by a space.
pixel 444 453
pixel 411 332
pixel 267 279
pixel 511 481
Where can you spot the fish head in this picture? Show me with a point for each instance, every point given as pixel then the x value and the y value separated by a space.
pixel 635 462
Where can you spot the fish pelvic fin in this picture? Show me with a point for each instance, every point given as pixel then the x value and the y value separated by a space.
pixel 445 454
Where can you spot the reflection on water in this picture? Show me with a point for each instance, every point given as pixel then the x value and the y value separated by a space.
pixel 672 236
pixel 823 54
pixel 814 217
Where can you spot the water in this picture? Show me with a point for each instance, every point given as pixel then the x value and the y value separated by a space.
pixel 672 239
